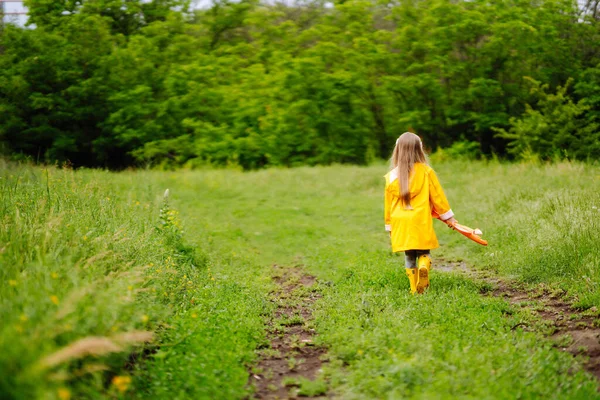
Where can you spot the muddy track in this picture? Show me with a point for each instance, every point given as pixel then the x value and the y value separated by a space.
pixel 574 331
pixel 291 365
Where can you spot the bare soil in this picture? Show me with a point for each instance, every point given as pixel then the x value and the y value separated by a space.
pixel 573 330
pixel 292 354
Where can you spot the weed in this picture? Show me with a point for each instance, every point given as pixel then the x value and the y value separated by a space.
pixel 293 363
pixel 291 320
pixel 312 388
pixel 563 341
pixel 271 353
pixel 290 382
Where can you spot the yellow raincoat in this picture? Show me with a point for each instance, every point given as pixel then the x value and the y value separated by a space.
pixel 413 229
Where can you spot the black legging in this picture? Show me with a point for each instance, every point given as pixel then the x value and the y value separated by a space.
pixel 410 257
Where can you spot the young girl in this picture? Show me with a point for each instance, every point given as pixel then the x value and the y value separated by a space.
pixel 413 195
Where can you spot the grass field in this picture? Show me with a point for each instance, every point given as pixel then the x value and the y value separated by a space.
pixel 107 290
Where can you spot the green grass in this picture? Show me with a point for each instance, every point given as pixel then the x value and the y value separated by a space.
pixel 90 254
pixel 541 221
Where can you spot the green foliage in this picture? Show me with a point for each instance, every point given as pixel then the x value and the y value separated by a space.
pixel 124 18
pixel 556 128
pixel 107 83
pixel 461 150
pixel 588 89
pixel 50 106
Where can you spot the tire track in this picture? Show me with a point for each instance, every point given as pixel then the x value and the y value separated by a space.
pixel 572 330
pixel 291 365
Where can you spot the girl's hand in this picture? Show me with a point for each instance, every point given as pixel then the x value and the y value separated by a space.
pixel 450 221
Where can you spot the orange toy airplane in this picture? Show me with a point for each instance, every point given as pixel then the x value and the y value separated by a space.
pixel 473 234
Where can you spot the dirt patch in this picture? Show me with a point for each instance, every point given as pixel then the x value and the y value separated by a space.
pixel 573 330
pixel 447 266
pixel 291 365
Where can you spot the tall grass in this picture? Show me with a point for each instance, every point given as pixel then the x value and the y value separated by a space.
pixel 96 278
pixel 543 222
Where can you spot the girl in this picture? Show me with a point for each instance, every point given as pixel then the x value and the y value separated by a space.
pixel 413 195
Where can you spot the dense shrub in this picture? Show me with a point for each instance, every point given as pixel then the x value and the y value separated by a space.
pixel 556 127
pixel 252 84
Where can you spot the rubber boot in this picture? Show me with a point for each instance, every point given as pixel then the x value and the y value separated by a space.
pixel 413 278
pixel 424 266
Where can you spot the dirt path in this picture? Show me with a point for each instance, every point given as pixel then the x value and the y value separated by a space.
pixel 573 331
pixel 291 365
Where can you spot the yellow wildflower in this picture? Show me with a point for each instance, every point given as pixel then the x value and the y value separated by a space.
pixel 121 383
pixel 64 394
pixel 54 299
pixel 84 237
pixel 194 315
pixel 12 282
pixel 54 275
pixel 145 318
pixel 359 352
pixel 23 318
pixel 130 288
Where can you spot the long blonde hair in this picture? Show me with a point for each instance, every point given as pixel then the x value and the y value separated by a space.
pixel 408 151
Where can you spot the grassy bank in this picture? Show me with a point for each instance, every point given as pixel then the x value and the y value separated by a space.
pixel 98 283
pixel 86 254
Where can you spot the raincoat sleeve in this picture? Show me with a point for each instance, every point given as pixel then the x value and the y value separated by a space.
pixel 439 203
pixel 388 209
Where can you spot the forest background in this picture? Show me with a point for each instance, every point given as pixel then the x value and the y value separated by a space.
pixel 108 83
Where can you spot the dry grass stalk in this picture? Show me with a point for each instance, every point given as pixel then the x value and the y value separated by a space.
pixel 133 337
pixel 89 346
pixel 69 305
pixel 90 369
pixel 97 257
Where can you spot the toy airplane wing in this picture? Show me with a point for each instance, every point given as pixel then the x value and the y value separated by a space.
pixel 473 234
